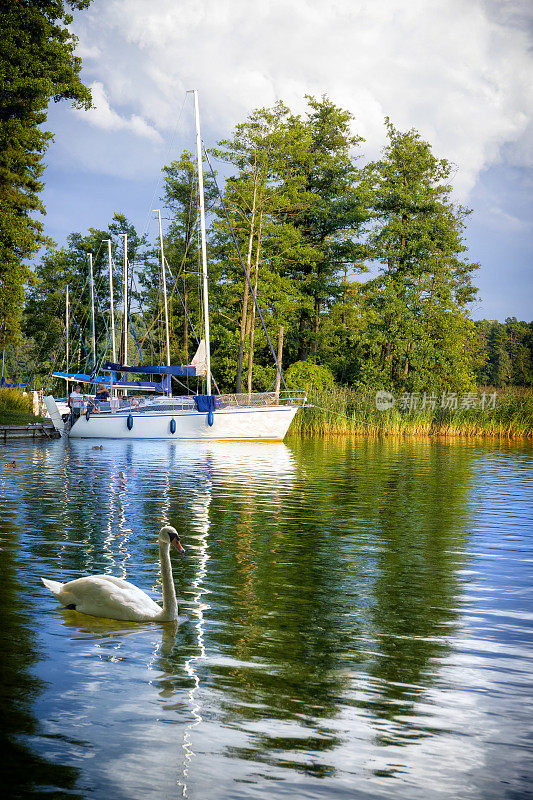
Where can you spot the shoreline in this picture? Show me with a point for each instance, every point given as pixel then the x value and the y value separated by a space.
pixel 407 434
pixel 345 412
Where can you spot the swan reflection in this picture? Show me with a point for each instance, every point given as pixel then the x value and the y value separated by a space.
pixel 113 633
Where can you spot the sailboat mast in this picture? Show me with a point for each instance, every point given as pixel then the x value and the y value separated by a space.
pixel 92 307
pixel 163 273
pixel 203 238
pixel 67 309
pixel 111 301
pixel 125 293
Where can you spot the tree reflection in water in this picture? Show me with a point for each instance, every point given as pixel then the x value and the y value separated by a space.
pixel 313 603
pixel 24 771
pixel 320 599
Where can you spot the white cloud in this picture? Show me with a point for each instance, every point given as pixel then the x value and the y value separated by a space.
pixel 457 70
pixel 103 116
pixel 85 50
pixel 508 223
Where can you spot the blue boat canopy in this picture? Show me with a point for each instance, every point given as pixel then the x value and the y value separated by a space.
pixel 82 377
pixel 5 385
pixel 122 383
pixel 164 386
pixel 151 370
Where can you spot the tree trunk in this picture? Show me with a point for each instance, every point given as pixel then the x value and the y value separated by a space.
pixel 343 315
pixel 316 323
pixel 280 360
pixel 404 223
pixel 185 321
pixel 238 380
pixel 252 315
pixel 303 349
pixel 406 367
pixel 188 238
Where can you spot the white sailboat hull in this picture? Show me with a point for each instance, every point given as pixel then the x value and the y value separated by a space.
pixel 268 423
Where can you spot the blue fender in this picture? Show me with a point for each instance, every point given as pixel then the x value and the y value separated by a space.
pixel 129 422
pixel 210 418
pixel 172 426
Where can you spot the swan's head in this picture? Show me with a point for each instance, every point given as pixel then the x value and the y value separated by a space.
pixel 169 535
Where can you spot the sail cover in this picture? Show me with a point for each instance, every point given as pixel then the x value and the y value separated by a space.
pixel 197 367
pixel 199 361
pixel 150 370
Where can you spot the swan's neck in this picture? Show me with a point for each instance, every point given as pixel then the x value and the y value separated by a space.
pixel 170 604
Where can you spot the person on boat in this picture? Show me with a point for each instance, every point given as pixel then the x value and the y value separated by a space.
pixel 102 395
pixel 75 402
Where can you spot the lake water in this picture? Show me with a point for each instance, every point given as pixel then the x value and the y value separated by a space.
pixel 355 621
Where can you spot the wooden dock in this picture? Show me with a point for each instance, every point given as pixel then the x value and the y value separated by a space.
pixel 32 430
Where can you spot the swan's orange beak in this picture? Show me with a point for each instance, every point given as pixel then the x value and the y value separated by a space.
pixel 177 545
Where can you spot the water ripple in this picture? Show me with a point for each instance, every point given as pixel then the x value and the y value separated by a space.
pixel 355 620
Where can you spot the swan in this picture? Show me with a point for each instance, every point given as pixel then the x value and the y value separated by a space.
pixel 115 598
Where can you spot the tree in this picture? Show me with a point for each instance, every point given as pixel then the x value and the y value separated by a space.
pixel 44 314
pixel 138 255
pixel 518 346
pixel 332 221
pixel 507 352
pixel 342 331
pixel 265 190
pixel 419 334
pixel 37 63
pixel 309 376
pixel 297 208
pixel 499 360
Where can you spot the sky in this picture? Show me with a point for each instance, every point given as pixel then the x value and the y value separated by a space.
pixel 459 71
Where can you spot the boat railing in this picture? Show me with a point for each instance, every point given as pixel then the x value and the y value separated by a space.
pixel 150 404
pixel 245 399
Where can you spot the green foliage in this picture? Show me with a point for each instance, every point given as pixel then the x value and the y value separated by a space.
pixel 265 190
pixel 309 376
pixel 44 315
pixel 306 216
pixel 16 408
pixel 341 411
pixel 332 223
pixel 419 334
pixel 182 252
pixel 37 63
pixel 308 220
pixel 507 352
pixel 297 206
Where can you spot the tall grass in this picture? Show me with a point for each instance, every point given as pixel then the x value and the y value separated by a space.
pixel 343 412
pixel 16 408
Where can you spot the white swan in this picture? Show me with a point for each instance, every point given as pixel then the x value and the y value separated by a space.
pixel 114 598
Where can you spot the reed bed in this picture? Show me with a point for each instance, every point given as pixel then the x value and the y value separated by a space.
pixel 346 412
pixel 16 408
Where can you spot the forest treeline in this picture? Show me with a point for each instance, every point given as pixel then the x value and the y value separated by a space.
pixel 506 353
pixel 38 63
pixel 363 265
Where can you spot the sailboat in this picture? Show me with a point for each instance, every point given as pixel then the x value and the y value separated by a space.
pixel 252 416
